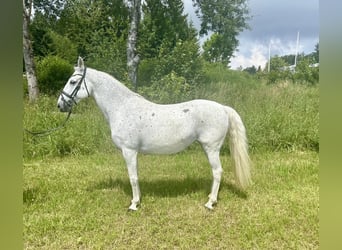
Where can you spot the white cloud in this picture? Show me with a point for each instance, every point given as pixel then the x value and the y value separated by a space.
pixel 256 56
pixel 271 22
pixel 258 52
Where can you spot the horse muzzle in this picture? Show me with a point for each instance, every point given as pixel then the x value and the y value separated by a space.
pixel 64 105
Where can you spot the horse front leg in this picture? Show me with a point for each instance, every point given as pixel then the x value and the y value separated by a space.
pixel 132 167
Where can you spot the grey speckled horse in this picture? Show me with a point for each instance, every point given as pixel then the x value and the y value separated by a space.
pixel 138 125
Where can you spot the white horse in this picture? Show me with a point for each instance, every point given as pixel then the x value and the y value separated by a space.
pixel 138 125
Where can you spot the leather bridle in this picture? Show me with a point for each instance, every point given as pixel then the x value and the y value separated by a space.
pixel 73 94
pixel 69 103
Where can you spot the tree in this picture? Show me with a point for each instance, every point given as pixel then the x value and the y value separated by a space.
pixel 168 44
pixel 251 70
pixel 132 55
pixel 163 26
pixel 225 19
pixel 28 52
pixel 98 30
pixel 306 74
pixel 279 70
pixel 317 52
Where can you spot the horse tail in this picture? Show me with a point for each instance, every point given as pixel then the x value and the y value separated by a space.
pixel 239 148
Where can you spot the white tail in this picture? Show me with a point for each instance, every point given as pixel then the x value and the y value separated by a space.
pixel 239 149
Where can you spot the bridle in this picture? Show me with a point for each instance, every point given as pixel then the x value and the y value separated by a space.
pixel 71 96
pixel 69 103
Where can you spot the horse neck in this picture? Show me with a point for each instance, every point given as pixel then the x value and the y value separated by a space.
pixel 107 91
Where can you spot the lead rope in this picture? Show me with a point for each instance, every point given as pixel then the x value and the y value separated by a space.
pixel 49 131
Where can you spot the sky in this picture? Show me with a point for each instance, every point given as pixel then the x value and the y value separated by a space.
pixel 274 24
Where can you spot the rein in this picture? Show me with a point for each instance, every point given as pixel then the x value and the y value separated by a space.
pixel 69 103
pixel 49 131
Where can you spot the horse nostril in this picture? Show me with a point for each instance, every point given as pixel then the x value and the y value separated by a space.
pixel 58 106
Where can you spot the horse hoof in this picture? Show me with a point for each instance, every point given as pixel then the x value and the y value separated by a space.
pixel 209 206
pixel 132 208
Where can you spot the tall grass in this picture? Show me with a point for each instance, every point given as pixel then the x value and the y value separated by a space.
pixel 277 117
pixel 86 131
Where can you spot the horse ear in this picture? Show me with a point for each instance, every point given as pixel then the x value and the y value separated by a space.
pixel 80 62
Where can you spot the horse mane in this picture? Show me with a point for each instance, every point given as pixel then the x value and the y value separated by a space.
pixel 115 83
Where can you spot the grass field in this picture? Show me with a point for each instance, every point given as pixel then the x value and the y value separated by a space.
pixel 76 189
pixel 80 202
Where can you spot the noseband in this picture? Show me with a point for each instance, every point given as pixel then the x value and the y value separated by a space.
pixel 71 96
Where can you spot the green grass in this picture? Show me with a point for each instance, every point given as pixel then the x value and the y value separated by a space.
pixel 76 189
pixel 80 202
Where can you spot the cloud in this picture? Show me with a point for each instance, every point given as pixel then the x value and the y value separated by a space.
pixel 256 53
pixel 255 56
pixel 277 24
pixel 272 21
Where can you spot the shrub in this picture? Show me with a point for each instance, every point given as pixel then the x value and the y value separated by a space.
pixel 170 89
pixel 52 74
pixel 182 61
pixel 306 74
pixel 62 47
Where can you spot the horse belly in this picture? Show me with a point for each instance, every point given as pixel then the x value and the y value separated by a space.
pixel 166 141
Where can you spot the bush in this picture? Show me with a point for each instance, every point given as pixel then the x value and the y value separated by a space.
pixel 52 74
pixel 182 61
pixel 170 89
pixel 306 74
pixel 62 47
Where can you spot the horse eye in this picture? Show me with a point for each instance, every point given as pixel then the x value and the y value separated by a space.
pixel 72 82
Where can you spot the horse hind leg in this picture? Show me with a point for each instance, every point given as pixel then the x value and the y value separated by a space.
pixel 215 163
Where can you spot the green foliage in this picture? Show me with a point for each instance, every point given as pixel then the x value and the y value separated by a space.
pixel 306 70
pixel 108 53
pixel 225 19
pixel 85 22
pixel 163 25
pixel 86 132
pixel 305 73
pixel 183 60
pixel 279 71
pixel 213 49
pixel 167 44
pixel 170 87
pixel 62 47
pixel 216 73
pixel 52 74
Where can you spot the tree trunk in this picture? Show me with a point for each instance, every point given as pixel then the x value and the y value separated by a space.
pixel 132 56
pixel 28 54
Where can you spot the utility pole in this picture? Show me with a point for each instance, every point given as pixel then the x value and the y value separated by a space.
pixel 297 47
pixel 269 57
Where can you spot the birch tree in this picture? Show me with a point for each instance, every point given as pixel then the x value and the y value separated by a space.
pixel 132 55
pixel 28 52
